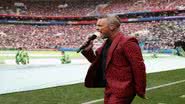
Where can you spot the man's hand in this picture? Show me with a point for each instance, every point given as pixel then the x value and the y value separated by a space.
pixel 89 46
pixel 143 97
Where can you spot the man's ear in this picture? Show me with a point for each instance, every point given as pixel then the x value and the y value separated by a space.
pixel 112 27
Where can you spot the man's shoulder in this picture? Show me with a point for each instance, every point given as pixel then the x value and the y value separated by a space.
pixel 125 39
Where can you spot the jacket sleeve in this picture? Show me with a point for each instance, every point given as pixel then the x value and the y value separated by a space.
pixel 89 55
pixel 133 53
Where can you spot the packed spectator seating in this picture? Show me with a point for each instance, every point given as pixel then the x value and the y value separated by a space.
pixel 81 8
pixel 165 34
pixel 48 8
pixel 119 6
pixel 39 37
pixel 161 34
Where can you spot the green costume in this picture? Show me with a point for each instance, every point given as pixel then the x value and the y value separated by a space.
pixel 154 55
pixel 22 57
pixel 65 59
pixel 180 51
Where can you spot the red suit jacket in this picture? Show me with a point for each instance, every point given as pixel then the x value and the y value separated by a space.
pixel 125 68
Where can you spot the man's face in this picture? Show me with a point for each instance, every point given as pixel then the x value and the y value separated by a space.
pixel 103 27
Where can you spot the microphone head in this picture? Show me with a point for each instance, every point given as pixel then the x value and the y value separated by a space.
pixel 97 34
pixel 92 37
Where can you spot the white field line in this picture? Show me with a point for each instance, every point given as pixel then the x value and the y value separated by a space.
pixel 148 89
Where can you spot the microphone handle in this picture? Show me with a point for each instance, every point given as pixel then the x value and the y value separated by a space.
pixel 84 46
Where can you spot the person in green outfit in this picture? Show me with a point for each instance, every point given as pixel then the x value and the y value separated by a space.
pixel 22 56
pixel 65 58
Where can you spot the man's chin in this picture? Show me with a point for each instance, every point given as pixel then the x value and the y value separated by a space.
pixel 104 37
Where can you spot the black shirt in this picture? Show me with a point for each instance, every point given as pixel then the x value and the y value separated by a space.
pixel 102 65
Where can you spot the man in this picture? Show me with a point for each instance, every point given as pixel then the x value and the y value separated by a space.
pixel 22 56
pixel 64 58
pixel 117 65
pixel 18 55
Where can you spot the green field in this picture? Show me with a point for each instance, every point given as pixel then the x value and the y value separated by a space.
pixel 4 55
pixel 77 94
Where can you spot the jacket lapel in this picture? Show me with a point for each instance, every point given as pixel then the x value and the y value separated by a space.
pixel 100 49
pixel 112 47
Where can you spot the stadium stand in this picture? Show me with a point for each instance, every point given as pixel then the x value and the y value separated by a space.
pixel 81 8
pixel 160 34
pixel 39 37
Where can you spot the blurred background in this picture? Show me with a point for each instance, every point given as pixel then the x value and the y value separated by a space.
pixel 51 31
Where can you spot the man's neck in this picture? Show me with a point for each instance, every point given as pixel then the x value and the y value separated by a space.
pixel 114 34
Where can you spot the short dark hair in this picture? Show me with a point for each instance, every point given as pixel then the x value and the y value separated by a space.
pixel 112 19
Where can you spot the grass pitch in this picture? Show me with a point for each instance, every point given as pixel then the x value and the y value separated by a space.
pixel 4 55
pixel 77 94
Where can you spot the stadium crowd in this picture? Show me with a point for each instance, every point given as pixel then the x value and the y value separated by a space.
pixel 118 6
pixel 165 34
pixel 160 34
pixel 39 37
pixel 81 8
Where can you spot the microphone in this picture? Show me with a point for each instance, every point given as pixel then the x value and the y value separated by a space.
pixel 87 43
